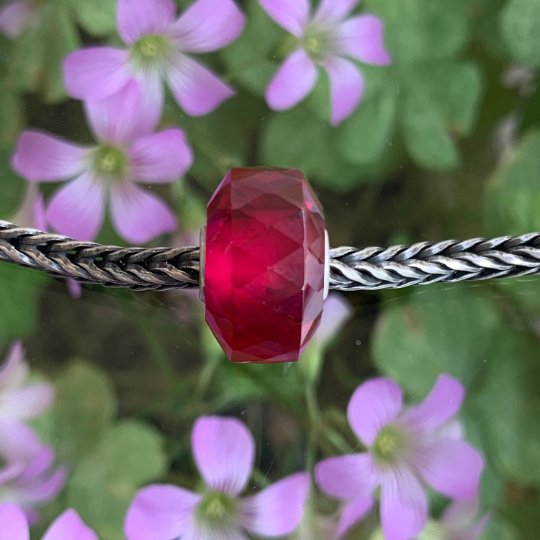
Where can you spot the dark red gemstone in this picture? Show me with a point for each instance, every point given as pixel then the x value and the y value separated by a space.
pixel 264 264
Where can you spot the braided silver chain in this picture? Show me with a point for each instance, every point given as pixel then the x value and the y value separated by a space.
pixel 449 261
pixel 134 268
pixel 351 269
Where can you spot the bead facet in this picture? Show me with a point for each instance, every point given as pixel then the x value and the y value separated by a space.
pixel 264 264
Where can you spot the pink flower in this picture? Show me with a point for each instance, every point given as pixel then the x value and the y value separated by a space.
pixel 459 521
pixel 407 448
pixel 157 49
pixel 224 453
pixel 33 484
pixel 337 311
pixel 32 214
pixel 17 16
pixel 69 526
pixel 126 153
pixel 324 40
pixel 20 401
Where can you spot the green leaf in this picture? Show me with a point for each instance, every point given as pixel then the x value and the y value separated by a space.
pixel 84 408
pixel 59 39
pixel 38 55
pixel 364 137
pixel 424 131
pixel 11 117
pixel 19 301
pixel 251 57
pixel 97 17
pixel 222 139
pixel 509 405
pixel 521 29
pixel 12 186
pixel 440 330
pixel 455 88
pixel 295 139
pixel 26 60
pixel 103 484
pixel 417 30
pixel 513 196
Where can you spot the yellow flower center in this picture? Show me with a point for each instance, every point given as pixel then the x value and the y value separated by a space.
pixel 111 162
pixel 390 444
pixel 216 509
pixel 313 45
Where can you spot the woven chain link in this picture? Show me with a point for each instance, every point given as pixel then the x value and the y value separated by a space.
pixel 449 261
pixel 351 269
pixel 135 268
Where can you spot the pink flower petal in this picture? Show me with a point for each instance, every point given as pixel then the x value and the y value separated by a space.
pixel 10 472
pixel 442 403
pixel 196 89
pixel 160 512
pixel 41 462
pixel 69 526
pixel 208 25
pixel 45 490
pixel 78 208
pixel 404 507
pixel 138 215
pixel 115 119
pixel 40 157
pixel 151 108
pixel 334 10
pixel 13 372
pixel 17 16
pixel 293 81
pixel 96 72
pixel 224 451
pixel 13 524
pixel 373 405
pixel 139 18
pixel 18 442
pixel 353 513
pixel 26 214
pixel 346 88
pixel 39 212
pixel 452 467
pixel 347 477
pixel 292 15
pixel 278 509
pixel 162 157
pixel 74 288
pixel 362 38
pixel 28 402
pixel 337 311
pixel 460 513
pixel 475 531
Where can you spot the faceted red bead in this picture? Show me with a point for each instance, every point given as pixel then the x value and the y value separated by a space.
pixel 264 264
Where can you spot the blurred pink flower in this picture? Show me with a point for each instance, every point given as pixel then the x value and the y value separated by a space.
pixel 17 16
pixel 459 521
pixel 157 47
pixel 69 526
pixel 31 214
pixel 126 153
pixel 33 484
pixel 324 40
pixel 20 401
pixel 337 311
pixel 407 447
pixel 224 453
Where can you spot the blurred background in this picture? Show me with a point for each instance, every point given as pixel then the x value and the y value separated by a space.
pixel 445 144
